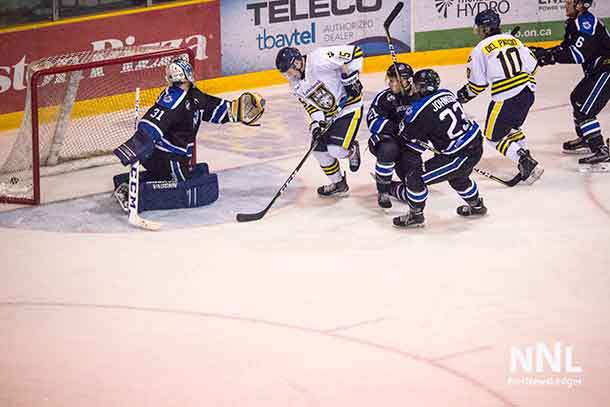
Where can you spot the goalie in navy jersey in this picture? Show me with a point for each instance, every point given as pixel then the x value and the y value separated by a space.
pixel 383 120
pixel 164 140
pixel 436 117
pixel 586 42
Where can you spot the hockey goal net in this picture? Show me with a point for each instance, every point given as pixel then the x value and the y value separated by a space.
pixel 79 107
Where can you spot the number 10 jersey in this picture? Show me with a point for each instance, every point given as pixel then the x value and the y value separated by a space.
pixel 503 62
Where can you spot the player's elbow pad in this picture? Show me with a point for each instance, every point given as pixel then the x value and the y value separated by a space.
pixel 138 148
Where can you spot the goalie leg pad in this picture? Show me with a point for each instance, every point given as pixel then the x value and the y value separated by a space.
pixel 200 169
pixel 162 195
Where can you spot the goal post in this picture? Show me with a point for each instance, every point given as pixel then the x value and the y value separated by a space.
pixel 78 108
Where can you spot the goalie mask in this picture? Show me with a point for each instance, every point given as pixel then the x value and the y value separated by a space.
pixel 179 71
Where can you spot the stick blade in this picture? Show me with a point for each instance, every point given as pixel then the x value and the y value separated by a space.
pixel 249 217
pixel 514 181
pixel 142 223
pixel 388 21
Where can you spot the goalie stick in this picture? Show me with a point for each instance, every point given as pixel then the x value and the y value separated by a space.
pixel 134 184
pixel 248 217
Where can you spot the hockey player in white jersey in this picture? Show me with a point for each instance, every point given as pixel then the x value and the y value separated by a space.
pixel 326 81
pixel 503 61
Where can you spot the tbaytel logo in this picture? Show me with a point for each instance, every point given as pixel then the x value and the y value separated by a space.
pixel 295 38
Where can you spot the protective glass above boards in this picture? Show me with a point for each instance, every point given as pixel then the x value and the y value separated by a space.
pixel 15 12
pixel 72 8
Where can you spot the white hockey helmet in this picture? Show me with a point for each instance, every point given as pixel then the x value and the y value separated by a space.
pixel 179 70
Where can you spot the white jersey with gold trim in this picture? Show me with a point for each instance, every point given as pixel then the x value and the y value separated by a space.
pixel 503 62
pixel 321 91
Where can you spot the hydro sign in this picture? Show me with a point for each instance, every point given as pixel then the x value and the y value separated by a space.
pixel 282 11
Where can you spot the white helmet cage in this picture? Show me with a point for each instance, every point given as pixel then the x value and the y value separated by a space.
pixel 179 70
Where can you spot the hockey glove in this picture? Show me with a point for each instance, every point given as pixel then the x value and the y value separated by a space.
pixel 463 96
pixel 248 108
pixel 138 148
pixel 352 84
pixel 317 129
pixel 543 55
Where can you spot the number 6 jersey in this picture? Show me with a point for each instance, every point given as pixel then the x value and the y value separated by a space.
pixel 503 62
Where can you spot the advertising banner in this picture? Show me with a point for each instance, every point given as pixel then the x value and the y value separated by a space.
pixel 198 29
pixel 448 23
pixel 253 31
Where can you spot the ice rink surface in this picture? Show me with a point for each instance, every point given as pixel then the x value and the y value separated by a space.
pixel 322 303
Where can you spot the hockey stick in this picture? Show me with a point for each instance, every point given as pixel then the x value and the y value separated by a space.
pixel 248 217
pixel 509 183
pixel 134 184
pixel 386 26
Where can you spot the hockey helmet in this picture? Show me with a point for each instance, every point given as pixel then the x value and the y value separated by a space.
pixel 488 18
pixel 179 70
pixel 286 57
pixel 426 81
pixel 404 70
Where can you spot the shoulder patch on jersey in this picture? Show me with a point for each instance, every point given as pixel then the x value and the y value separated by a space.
pixel 586 23
pixel 416 107
pixel 171 97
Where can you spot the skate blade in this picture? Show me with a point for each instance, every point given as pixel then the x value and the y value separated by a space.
pixel 122 204
pixel 580 151
pixel 535 175
pixel 414 226
pixel 337 195
pixel 590 168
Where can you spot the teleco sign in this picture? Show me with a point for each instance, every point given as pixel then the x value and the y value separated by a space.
pixel 199 30
pixel 267 26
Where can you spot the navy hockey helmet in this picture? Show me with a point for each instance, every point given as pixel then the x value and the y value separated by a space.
pixel 488 18
pixel 404 70
pixel 285 58
pixel 426 81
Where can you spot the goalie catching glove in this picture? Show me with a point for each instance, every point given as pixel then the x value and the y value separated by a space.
pixel 248 108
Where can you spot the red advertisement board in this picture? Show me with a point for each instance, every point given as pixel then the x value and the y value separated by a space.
pixel 196 26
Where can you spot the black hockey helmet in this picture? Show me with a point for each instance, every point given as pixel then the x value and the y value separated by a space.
pixel 426 81
pixel 285 58
pixel 404 70
pixel 489 19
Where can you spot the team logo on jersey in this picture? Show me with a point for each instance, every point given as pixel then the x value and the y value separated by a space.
pixel 167 98
pixel 322 97
pixel 409 110
pixel 391 98
pixel 187 104
pixel 587 25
